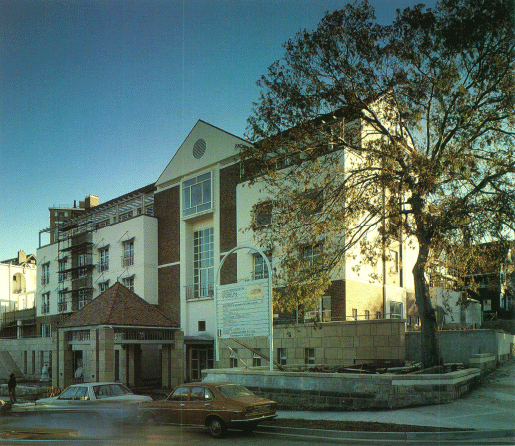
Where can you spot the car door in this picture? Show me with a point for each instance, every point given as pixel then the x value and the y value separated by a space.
pixel 199 405
pixel 172 410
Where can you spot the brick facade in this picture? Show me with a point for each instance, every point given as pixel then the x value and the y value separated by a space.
pixel 170 291
pixel 229 177
pixel 167 211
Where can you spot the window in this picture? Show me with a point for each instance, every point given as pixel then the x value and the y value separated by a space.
pixel 203 261
pixel 101 224
pixel 128 282
pixel 128 253
pixel 256 359
pixel 201 325
pixel 487 305
pixel 45 273
pixel 46 330
pixel 125 216
pixel 196 195
pixel 395 261
pixel 260 267
pixel 281 356
pixel 262 213
pixel 309 356
pixel 379 315
pixel 104 260
pixel 355 314
pixel 312 203
pixel 45 303
pixel 103 286
pixel 310 253
pixel 325 308
pixel 83 261
pixel 61 302
pixel 83 298
pixel 233 358
pixel 367 315
pixel 149 210
pixel 63 266
pixel 395 310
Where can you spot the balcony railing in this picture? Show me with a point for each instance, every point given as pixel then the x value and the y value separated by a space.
pixel 200 291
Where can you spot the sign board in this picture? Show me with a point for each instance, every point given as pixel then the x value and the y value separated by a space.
pixel 243 310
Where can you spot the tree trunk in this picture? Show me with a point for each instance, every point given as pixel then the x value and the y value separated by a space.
pixel 430 347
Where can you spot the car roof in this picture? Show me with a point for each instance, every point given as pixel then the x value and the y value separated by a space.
pixel 91 384
pixel 209 383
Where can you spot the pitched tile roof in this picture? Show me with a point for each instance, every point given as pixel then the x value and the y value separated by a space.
pixel 118 306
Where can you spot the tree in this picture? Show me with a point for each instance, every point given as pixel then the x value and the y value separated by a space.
pixel 399 129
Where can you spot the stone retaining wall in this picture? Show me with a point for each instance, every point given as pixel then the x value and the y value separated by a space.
pixel 343 391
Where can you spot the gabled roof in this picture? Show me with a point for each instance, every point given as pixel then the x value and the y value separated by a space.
pixel 118 306
pixel 205 146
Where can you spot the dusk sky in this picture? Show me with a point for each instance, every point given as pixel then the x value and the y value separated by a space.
pixel 96 96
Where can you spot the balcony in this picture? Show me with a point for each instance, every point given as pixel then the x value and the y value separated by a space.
pixel 200 291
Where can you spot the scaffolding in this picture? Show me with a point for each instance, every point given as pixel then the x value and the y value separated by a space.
pixel 75 246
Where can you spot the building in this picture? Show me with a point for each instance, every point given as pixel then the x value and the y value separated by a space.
pixel 18 295
pixel 204 209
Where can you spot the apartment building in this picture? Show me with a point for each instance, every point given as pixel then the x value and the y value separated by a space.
pixel 109 242
pixel 204 208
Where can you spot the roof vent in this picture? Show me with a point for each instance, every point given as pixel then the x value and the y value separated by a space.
pixel 199 148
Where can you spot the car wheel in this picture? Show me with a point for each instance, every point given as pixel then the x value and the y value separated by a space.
pixel 216 427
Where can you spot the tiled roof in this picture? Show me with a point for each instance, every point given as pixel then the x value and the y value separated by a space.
pixel 118 306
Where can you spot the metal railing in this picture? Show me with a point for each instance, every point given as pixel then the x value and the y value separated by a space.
pixel 199 291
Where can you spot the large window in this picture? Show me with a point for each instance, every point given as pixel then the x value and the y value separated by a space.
pixel 61 302
pixel 45 303
pixel 260 267
pixel 196 195
pixel 203 263
pixel 128 253
pixel 45 273
pixel 104 260
pixel 63 266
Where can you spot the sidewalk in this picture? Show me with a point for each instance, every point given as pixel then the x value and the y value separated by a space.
pixel 488 407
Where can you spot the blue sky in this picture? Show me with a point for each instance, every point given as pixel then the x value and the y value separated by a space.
pixel 96 96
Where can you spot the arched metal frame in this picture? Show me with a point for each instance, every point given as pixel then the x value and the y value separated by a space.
pixel 270 316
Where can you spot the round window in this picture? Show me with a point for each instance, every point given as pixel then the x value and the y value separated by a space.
pixel 199 148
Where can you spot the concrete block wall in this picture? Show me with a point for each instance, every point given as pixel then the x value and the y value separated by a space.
pixel 334 343
pixel 28 355
pixel 458 345
pixel 342 391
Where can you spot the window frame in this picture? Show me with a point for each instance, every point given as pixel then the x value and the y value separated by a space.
pixel 190 207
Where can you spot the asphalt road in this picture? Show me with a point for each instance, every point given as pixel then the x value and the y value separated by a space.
pixel 180 436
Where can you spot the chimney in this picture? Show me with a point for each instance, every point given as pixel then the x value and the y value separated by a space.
pixel 91 201
pixel 22 257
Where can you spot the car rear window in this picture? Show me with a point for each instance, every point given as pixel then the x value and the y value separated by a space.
pixel 234 390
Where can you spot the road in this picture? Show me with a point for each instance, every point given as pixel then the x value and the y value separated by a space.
pixel 180 436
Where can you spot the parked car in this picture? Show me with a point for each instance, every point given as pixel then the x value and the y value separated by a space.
pixel 87 393
pixel 217 405
pixel 99 403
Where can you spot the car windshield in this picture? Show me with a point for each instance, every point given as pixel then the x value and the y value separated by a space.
pixel 234 390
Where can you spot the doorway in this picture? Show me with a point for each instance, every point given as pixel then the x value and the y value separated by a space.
pixel 199 358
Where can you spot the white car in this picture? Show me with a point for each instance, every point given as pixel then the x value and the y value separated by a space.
pixel 81 395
